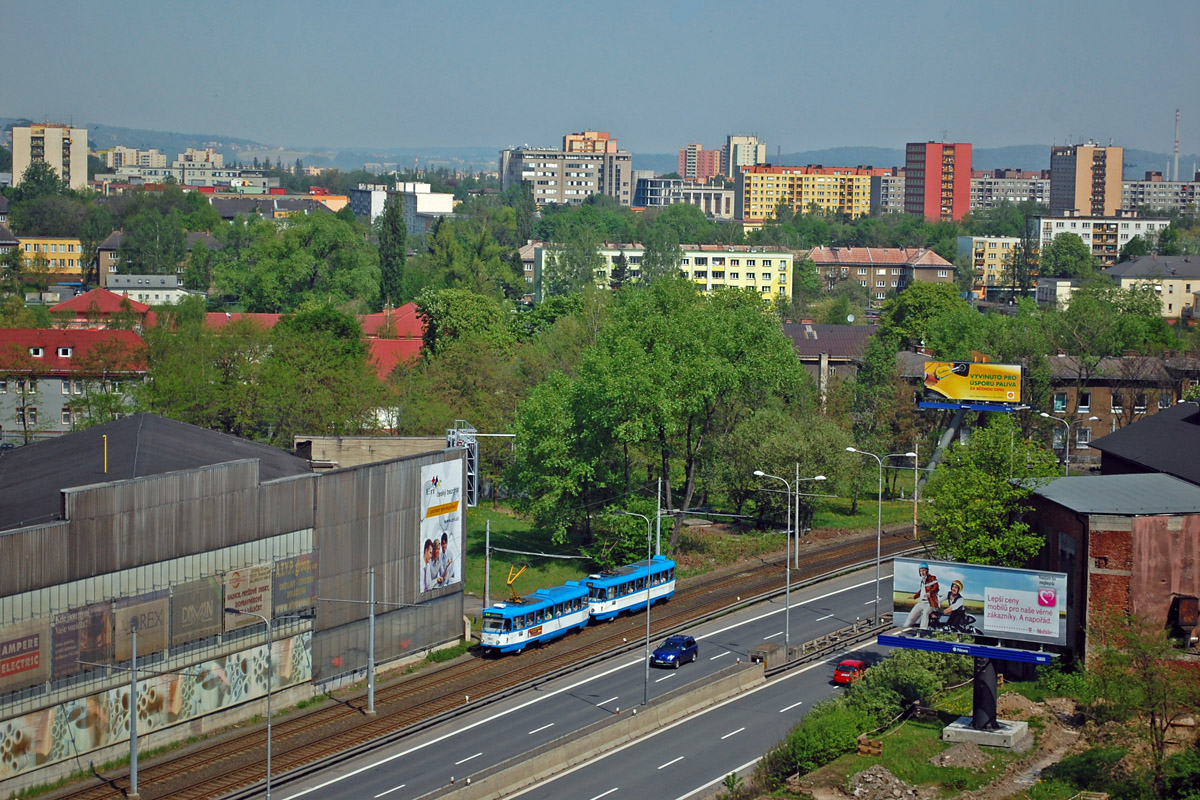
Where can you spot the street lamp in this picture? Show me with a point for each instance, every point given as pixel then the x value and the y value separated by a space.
pixel 787 560
pixel 1067 439
pixel 646 686
pixel 879 516
pixel 270 623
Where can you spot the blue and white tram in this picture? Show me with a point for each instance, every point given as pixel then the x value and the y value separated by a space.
pixel 624 589
pixel 546 614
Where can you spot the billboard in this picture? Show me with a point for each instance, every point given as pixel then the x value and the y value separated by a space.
pixel 248 590
pixel 441 529
pixel 294 588
pixel 1022 604
pixel 81 634
pixel 196 610
pixel 963 381
pixel 24 654
pixel 150 610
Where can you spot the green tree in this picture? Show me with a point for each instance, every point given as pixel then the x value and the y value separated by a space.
pixel 572 263
pixel 154 244
pixel 452 314
pixel 1134 248
pixel 39 180
pixel 197 275
pixel 48 215
pixel 393 246
pixel 978 496
pixel 97 225
pixel 1068 257
pixel 1021 269
pixel 907 317
pixel 661 256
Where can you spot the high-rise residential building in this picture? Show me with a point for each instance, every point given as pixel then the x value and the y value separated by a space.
pixel 937 180
pixel 1086 178
pixel 832 190
pixel 995 187
pixel 206 156
pixel 741 151
pixel 887 191
pixel 589 142
pixel 698 164
pixel 990 257
pixel 571 176
pixel 62 147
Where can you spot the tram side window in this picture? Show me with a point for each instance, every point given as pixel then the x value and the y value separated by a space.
pixel 519 622
pixel 558 609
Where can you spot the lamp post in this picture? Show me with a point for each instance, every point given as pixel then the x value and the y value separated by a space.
pixel 1066 439
pixel 787 559
pixel 270 624
pixel 646 686
pixel 879 516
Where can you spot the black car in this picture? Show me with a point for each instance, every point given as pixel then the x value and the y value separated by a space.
pixel 674 651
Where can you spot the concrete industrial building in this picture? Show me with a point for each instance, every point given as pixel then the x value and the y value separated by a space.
pixel 168 523
pixel 1085 179
pixel 589 163
pixel 937 180
pixel 843 191
pixel 64 148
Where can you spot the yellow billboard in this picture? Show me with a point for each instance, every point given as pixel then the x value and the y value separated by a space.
pixel 965 382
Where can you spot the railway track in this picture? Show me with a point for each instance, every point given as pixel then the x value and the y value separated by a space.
pixel 235 760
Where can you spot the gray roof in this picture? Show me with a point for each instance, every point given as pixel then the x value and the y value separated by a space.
pixel 839 341
pixel 1124 495
pixel 1165 442
pixel 32 477
pixel 1156 267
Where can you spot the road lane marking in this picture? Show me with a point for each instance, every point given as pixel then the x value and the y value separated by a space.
pixel 468 758
pixel 606 794
pixel 719 655
pixel 773 635
pixel 789 708
pixel 538 730
pixel 389 791
pixel 672 761
pixel 732 733
pixel 609 700
pixel 664 678
pixel 827 616
pixel 638 662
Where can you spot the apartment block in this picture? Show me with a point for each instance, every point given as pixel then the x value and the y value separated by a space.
pixel 589 142
pixel 61 255
pixel 1105 235
pixel 121 156
pixel 698 164
pixel 739 152
pixel 937 180
pixel 422 206
pixel 887 191
pixel 1086 179
pixel 716 203
pixel 767 271
pixel 989 257
pixel 62 147
pixel 1162 196
pixel 882 271
pixel 562 176
pixel 1175 279
pixel 997 187
pixel 832 190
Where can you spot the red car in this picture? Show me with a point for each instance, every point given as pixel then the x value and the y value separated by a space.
pixel 850 670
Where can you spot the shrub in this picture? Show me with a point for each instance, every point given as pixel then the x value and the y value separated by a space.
pixel 1181 775
pixel 826 732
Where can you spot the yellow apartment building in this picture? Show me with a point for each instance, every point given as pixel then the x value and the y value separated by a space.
pixel 62 255
pixel 989 257
pixel 834 190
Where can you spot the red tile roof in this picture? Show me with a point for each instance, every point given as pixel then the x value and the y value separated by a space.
pixel 394 323
pixel 99 301
pixel 219 319
pixel 882 256
pixel 122 350
pixel 390 353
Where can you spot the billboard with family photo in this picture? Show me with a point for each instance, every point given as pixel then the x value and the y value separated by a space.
pixel 949 597
pixel 442 526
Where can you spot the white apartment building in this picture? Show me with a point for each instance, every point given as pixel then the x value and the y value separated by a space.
pixel 121 156
pixel 1011 186
pixel 1105 235
pixel 741 151
pixel 559 176
pixel 767 271
pixel 1162 196
pixel 421 205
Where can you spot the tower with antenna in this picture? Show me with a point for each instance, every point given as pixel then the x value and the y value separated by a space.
pixel 1177 144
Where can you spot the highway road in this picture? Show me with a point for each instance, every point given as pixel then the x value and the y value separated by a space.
pixel 674 762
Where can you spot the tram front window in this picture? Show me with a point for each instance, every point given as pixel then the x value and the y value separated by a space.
pixel 494 624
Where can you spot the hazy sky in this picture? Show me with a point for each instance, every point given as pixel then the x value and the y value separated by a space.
pixel 801 75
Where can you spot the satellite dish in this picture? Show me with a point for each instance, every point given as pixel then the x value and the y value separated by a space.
pixel 850 318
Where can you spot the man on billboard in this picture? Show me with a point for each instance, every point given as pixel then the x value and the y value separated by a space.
pixel 926 597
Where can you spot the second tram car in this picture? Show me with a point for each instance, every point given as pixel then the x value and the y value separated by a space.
pixel 546 614
pixel 624 589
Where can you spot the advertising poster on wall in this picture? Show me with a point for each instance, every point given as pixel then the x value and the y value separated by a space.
pixel 150 612
pixel 294 588
pixel 249 591
pixel 950 597
pixel 24 654
pixel 82 634
pixel 196 610
pixel 968 382
pixel 442 525
pixel 83 724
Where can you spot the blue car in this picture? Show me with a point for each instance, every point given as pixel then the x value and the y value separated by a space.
pixel 674 651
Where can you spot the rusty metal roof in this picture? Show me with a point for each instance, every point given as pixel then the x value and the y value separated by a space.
pixel 1124 495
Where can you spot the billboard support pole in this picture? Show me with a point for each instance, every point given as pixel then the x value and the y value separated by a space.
pixel 983 695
